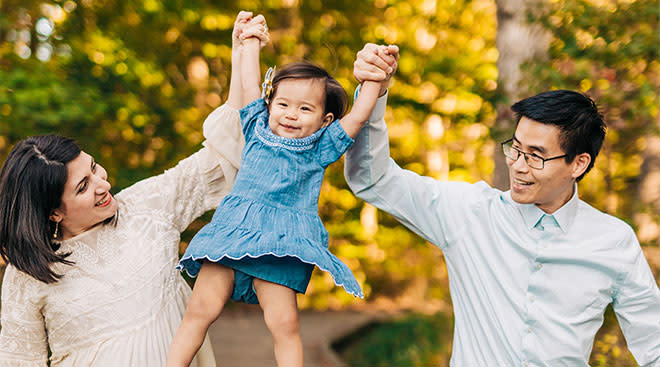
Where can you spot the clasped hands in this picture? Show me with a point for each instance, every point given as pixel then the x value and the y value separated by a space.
pixel 373 63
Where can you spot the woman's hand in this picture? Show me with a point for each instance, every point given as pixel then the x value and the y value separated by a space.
pixel 376 63
pixel 256 28
pixel 246 27
pixel 242 20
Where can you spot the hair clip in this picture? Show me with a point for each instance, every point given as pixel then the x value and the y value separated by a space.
pixel 267 85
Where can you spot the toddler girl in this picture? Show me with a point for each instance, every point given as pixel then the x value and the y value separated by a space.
pixel 266 237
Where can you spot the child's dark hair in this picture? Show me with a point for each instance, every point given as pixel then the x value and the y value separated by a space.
pixel 582 129
pixel 31 186
pixel 336 99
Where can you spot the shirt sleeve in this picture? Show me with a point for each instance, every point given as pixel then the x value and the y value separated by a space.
pixel 197 183
pixel 433 209
pixel 333 143
pixel 23 332
pixel 250 114
pixel 637 306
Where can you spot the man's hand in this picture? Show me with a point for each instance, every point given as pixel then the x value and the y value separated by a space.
pixel 376 63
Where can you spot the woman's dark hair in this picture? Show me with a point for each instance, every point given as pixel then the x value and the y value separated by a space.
pixel 582 129
pixel 336 99
pixel 31 185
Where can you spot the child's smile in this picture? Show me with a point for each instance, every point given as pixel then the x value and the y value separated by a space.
pixel 289 128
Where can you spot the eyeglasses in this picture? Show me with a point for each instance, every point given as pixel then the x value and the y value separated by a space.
pixel 532 160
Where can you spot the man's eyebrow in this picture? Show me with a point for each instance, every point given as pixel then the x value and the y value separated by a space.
pixel 531 147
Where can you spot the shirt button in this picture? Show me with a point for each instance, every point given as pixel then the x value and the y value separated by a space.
pixel 539 266
pixel 529 329
pixel 525 363
pixel 531 298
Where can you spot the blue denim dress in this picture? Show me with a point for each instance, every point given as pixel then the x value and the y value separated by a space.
pixel 268 227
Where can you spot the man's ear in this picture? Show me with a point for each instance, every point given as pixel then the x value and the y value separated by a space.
pixel 580 164
pixel 328 118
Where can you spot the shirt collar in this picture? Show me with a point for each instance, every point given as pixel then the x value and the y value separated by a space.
pixel 564 216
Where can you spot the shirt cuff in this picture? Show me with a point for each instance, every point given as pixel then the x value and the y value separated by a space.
pixel 378 112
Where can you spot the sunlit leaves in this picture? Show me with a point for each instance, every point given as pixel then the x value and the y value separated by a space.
pixel 609 50
pixel 140 76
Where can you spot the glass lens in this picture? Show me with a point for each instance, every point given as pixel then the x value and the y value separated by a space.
pixel 512 153
pixel 508 150
pixel 534 161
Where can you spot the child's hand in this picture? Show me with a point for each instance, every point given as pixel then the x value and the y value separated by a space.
pixel 242 21
pixel 256 28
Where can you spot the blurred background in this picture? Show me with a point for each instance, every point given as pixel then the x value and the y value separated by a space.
pixel 133 80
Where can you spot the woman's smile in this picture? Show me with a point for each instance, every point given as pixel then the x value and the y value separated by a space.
pixel 105 201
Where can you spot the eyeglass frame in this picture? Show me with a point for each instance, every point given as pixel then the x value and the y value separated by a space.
pixel 526 155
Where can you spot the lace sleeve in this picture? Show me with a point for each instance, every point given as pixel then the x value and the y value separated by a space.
pixel 23 333
pixel 197 183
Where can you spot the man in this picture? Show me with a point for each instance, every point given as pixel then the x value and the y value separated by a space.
pixel 531 270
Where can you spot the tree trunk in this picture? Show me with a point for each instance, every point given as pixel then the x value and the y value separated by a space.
pixel 648 213
pixel 518 41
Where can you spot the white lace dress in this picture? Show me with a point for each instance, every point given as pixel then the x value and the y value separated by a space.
pixel 123 300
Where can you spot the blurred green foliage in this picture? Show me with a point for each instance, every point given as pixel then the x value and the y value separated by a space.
pixel 609 349
pixel 418 340
pixel 611 51
pixel 407 341
pixel 133 80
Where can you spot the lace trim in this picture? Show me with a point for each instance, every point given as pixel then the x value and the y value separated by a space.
pixel 266 136
pixel 23 333
pixel 206 257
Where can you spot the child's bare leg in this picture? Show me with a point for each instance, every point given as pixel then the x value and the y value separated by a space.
pixel 281 315
pixel 213 288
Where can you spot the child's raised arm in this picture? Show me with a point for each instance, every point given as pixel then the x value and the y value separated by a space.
pixel 235 97
pixel 369 93
pixel 252 41
pixel 365 102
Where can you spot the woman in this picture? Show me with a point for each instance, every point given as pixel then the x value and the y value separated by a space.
pixel 91 276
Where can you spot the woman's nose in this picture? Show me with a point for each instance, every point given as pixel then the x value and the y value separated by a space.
pixel 102 187
pixel 102 184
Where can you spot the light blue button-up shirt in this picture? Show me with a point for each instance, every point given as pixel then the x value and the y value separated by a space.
pixel 528 288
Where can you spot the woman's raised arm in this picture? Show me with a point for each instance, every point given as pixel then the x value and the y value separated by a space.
pixel 23 332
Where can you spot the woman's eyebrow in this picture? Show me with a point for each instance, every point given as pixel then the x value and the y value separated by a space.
pixel 81 182
pixel 85 178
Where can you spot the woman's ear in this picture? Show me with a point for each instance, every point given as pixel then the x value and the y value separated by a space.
pixel 580 164
pixel 327 119
pixel 56 216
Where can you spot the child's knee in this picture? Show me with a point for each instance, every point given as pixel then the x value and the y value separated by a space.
pixel 202 309
pixel 285 323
